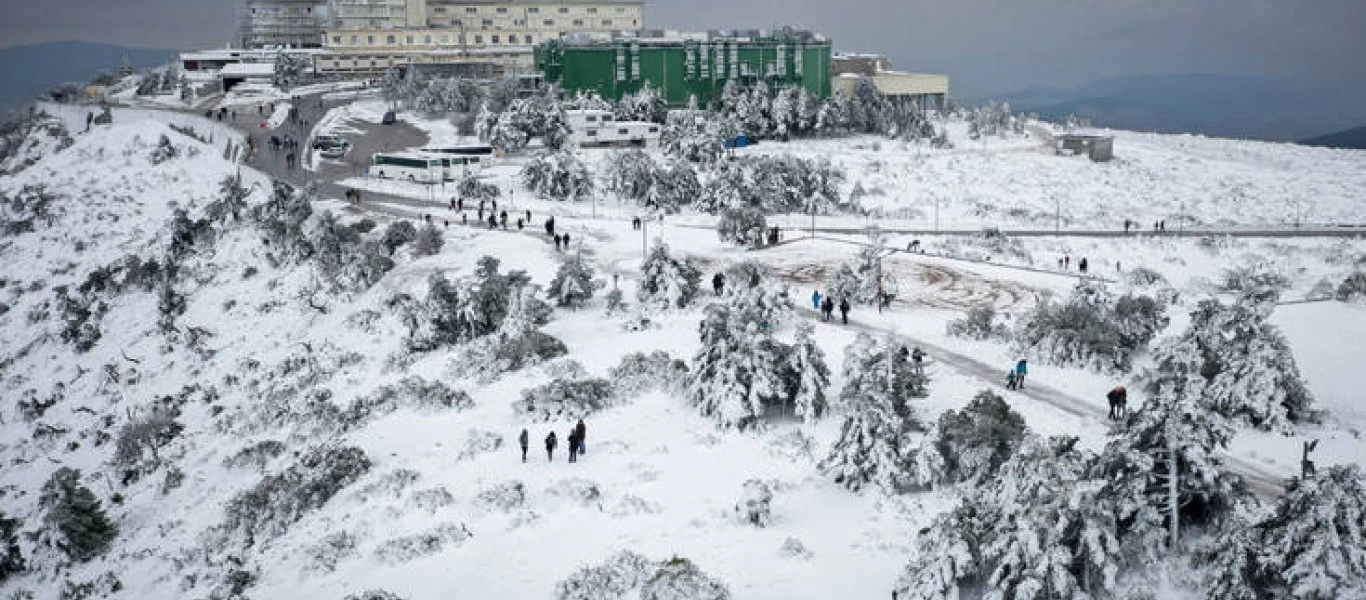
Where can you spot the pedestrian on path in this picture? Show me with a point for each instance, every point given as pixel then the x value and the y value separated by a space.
pixel 718 283
pixel 581 432
pixel 918 358
pixel 566 240
pixel 844 310
pixel 528 215
pixel 550 443
pixel 503 218
pixel 573 446
pixel 1082 265
pixel 1011 379
pixel 550 226
pixel 525 440
pixel 1119 400
pixel 1021 369
pixel 520 223
pixel 827 309
pixel 816 300
pixel 1067 262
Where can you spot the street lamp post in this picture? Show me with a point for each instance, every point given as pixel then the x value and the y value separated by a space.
pixel 1057 215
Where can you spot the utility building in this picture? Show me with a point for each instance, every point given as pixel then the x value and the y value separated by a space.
pixel 920 89
pixel 684 65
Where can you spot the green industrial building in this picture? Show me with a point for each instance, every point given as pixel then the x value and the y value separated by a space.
pixel 684 65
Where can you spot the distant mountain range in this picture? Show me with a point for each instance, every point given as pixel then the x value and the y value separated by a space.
pixel 27 71
pixel 1347 138
pixel 1217 105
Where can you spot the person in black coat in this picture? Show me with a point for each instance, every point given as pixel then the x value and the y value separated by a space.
pixel 827 308
pixel 581 432
pixel 550 442
pixel 844 310
pixel 573 446
pixel 718 283
pixel 525 440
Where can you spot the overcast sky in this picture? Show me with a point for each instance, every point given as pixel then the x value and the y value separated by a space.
pixel 986 46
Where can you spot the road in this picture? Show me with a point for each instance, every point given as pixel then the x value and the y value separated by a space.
pixel 1259 480
pixel 1347 231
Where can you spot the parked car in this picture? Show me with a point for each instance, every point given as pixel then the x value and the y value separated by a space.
pixel 336 151
pixel 325 141
pixel 390 117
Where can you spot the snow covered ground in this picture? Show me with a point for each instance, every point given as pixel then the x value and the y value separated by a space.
pixel 658 479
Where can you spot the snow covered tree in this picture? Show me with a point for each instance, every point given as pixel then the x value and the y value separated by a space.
pixel 667 283
pixel 1312 546
pixel 630 174
pixel 77 523
pixel 807 375
pixel 558 176
pixel 977 440
pixel 1248 369
pixel 507 135
pixel 742 225
pixel 1160 466
pixel 754 505
pixel 485 121
pixel 1092 328
pixel 643 105
pixel 164 150
pixel 573 284
pixel 833 118
pixel 858 281
pixel 697 136
pixel 393 87
pixel 737 372
pixel 873 442
pixel 948 563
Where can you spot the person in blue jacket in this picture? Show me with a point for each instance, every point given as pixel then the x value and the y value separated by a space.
pixel 1021 369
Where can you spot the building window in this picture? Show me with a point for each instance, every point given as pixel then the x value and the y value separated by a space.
pixel 440 10
pixel 519 22
pixel 512 39
pixel 533 10
pixel 471 10
pixel 455 22
pixel 373 63
pixel 408 40
pixel 592 133
pixel 488 23
pixel 592 10
pixel 445 39
pixel 578 22
pixel 493 39
pixel 369 40
pixel 478 39
pixel 336 39
pixel 389 39
pixel 591 118
pixel 633 22
pixel 502 10
pixel 564 10
pixel 623 131
pixel 620 10
pixel 549 22
pixel 427 39
pixel 606 22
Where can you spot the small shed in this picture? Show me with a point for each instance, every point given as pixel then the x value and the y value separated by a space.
pixel 1099 148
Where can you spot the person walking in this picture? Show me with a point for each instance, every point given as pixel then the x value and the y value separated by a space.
pixel 525 440
pixel 520 224
pixel 1082 265
pixel 1021 369
pixel 816 300
pixel 557 243
pixel 844 310
pixel 528 215
pixel 580 432
pixel 827 309
pixel 1067 262
pixel 1011 379
pixel 550 442
pixel 918 359
pixel 566 240
pixel 550 226
pixel 1118 398
pixel 718 283
pixel 573 446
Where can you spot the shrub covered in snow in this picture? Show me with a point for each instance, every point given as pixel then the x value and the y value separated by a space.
pixel 979 324
pixel 618 575
pixel 411 392
pixel 458 312
pixel 480 442
pixel 754 505
pixel 1144 277
pixel 681 579
pixel 1255 278
pixel 573 284
pixel 374 595
pixel 879 385
pixel 857 280
pixel 473 190
pixel 504 497
pixel 1092 328
pixel 429 240
pixel 1353 288
pixel 397 234
pixel 403 549
pixel 976 441
pixel 74 520
pixel 164 151
pixel 564 399
pixel 137 444
pixel 267 509
pixel 697 136
pixel 666 282
pixel 328 552
pixel 633 175
pixel 255 456
pixel 639 372
pixel 11 558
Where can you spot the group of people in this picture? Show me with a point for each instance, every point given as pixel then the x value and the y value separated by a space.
pixel 1160 225
pixel 221 113
pixel 1015 377
pixel 1065 262
pixel 826 305
pixel 576 437
pixel 917 358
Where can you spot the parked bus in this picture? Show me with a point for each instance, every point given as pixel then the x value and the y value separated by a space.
pixel 422 168
pixel 464 160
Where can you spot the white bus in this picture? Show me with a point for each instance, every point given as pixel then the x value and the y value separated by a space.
pixel 589 128
pixel 422 168
pixel 462 160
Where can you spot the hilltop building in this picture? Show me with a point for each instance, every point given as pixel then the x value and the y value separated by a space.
pixel 458 37
pixel 282 23
pixel 927 91
pixel 684 65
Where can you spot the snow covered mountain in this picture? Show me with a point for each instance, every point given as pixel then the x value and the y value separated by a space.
pixel 221 386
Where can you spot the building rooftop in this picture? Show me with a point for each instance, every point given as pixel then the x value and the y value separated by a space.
pixel 260 69
pixel 667 36
pixel 495 2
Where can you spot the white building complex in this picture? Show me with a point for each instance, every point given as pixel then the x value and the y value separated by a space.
pixel 282 23
pixel 470 37
pixel 927 91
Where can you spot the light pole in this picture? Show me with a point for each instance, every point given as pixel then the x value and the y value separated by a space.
pixel 1057 215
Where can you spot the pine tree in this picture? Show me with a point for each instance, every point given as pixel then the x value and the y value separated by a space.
pixel 573 283
pixel 977 440
pixel 948 557
pixel 1314 545
pixel 737 372
pixel 74 514
pixel 873 443
pixel 665 282
pixel 1160 465
pixel 429 240
pixel 485 121
pixel 808 377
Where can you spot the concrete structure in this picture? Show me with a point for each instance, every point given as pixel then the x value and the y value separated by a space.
pixel 684 65
pixel 1100 148
pixel 927 91
pixel 236 73
pixel 367 37
pixel 281 23
pixel 215 60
